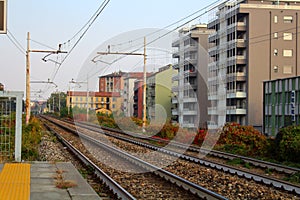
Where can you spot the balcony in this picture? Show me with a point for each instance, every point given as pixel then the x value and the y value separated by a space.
pixel 190 47
pixel 175 112
pixel 189 112
pixel 190 100
pixel 239 43
pixel 175 77
pixel 238 59
pixel 191 60
pixel 175 54
pixel 174 100
pixel 212 64
pixel 239 76
pixel 175 89
pixel 241 26
pixel 176 43
pixel 212 111
pixel 213 37
pixel 188 86
pixel 187 124
pixel 241 59
pixel 235 110
pixel 189 73
pixel 176 66
pixel 236 94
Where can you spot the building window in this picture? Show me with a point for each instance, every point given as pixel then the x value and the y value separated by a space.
pixel 287 19
pixel 287 53
pixel 275 52
pixel 275 19
pixel 287 69
pixel 287 36
pixel 114 99
pixel 113 106
pixel 275 69
pixel 276 35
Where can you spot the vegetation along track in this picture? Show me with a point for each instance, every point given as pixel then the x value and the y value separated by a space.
pixel 154 184
pixel 214 179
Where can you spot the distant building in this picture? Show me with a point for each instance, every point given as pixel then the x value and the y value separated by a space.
pixel 113 82
pixel 138 98
pixel 281 104
pixel 128 92
pixel 111 101
pixel 254 41
pixel 159 93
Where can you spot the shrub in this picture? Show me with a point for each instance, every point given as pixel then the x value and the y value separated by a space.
pixel 287 144
pixel 31 138
pixel 243 140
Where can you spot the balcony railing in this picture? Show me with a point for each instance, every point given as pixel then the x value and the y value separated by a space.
pixel 175 77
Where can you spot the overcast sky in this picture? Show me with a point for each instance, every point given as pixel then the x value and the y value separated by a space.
pixel 51 22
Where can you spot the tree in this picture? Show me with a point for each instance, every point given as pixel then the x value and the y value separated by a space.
pixel 57 101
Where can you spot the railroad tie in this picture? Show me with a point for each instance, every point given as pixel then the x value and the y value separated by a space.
pixel 15 181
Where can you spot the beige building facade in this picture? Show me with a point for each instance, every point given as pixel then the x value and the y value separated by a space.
pixel 255 41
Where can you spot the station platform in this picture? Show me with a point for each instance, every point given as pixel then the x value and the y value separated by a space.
pixel 43 181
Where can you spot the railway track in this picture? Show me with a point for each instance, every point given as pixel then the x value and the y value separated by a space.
pixel 281 185
pixel 223 155
pixel 173 187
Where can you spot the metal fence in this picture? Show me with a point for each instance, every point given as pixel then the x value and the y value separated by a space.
pixel 10 125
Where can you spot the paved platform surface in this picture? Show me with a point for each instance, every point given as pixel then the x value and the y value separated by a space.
pixel 43 178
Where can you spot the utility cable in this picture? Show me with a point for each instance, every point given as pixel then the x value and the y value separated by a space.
pixel 15 42
pixel 103 5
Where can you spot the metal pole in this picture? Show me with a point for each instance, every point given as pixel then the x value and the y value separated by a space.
pixel 28 79
pixel 87 97
pixel 145 86
pixel 59 103
pixel 18 136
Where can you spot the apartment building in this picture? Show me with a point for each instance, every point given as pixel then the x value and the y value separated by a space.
pixel 254 41
pixel 128 92
pixel 190 99
pixel 138 98
pixel 281 104
pixel 159 94
pixel 109 101
pixel 113 82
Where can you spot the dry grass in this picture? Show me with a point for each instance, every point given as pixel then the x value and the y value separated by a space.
pixel 61 182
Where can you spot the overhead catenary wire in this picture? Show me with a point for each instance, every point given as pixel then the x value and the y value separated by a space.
pixel 15 42
pixel 42 44
pixel 89 24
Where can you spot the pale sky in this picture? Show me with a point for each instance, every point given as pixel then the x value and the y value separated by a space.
pixel 52 22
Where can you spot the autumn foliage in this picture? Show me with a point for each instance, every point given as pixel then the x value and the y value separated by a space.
pixel 243 140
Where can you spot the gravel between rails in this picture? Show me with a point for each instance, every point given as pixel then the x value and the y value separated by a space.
pixel 139 184
pixel 232 187
pixel 52 150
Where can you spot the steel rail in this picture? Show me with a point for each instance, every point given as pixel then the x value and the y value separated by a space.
pixel 202 192
pixel 226 168
pixel 219 154
pixel 113 185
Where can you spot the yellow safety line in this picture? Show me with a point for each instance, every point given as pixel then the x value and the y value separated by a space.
pixel 15 181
